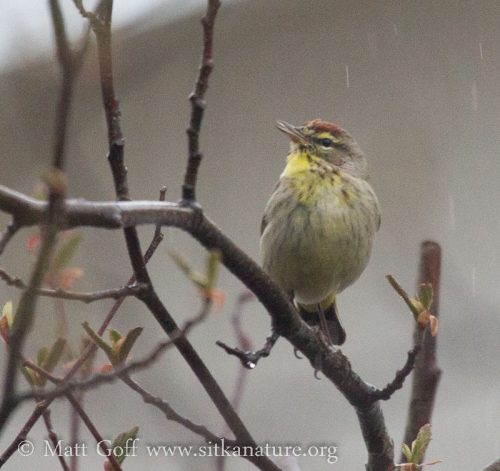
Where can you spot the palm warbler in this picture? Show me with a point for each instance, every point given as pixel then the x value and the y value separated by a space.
pixel 319 224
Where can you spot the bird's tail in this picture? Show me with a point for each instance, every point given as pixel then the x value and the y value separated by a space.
pixel 310 314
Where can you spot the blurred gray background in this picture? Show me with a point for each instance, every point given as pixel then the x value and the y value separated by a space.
pixel 417 84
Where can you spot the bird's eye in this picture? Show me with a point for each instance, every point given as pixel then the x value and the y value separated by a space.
pixel 326 142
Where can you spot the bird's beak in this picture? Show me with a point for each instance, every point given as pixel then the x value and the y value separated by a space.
pixel 293 132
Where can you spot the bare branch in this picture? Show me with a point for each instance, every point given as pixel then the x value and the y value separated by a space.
pixel 91 348
pixel 427 373
pixel 70 65
pixel 21 436
pixel 150 297
pixel 398 381
pixel 250 359
pixel 495 466
pixel 102 30
pixel 198 103
pixel 170 414
pixel 78 408
pixel 116 293
pixel 9 232
pixel 64 386
pixel 264 464
pixel 25 313
pixel 286 321
pixel 97 436
pixel 54 438
pixel 245 343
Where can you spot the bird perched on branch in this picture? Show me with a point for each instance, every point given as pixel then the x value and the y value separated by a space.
pixel 319 224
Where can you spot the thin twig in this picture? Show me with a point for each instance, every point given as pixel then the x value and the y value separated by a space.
pixel 85 14
pixel 202 431
pixel 26 308
pixel 245 343
pixel 90 350
pixel 25 313
pixel 198 103
pixel 168 411
pixel 495 466
pixel 54 439
pixel 97 436
pixel 401 375
pixel 286 321
pixel 114 293
pixel 102 378
pixel 427 373
pixel 64 386
pixel 111 106
pixel 9 232
pixel 80 411
pixel 150 298
pixel 250 359
pixel 70 65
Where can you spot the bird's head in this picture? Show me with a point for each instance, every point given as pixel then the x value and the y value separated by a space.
pixel 329 142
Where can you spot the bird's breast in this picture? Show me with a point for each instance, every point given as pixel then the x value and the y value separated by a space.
pixel 319 234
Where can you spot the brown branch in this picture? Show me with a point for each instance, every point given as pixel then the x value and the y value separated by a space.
pixel 401 375
pixel 64 386
pixel 102 30
pixel 150 297
pixel 53 438
pixel 198 104
pixel 25 312
pixel 78 408
pixel 204 376
pixel 26 308
pixel 116 293
pixel 286 321
pixel 200 430
pixel 91 427
pixel 70 64
pixel 427 373
pixel 102 378
pixel 65 389
pixel 170 414
pixel 495 466
pixel 249 359
pixel 9 232
pixel 245 343
pixel 91 348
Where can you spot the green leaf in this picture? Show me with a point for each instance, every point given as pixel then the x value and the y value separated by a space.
pixel 41 356
pixel 125 344
pixel 124 443
pixel 407 452
pixel 425 295
pixel 7 312
pixel 420 445
pixel 28 375
pixel 55 355
pixel 212 268
pixel 66 252
pixel 411 303
pixel 98 341
pixel 114 336
pixel 17 319
pixel 199 279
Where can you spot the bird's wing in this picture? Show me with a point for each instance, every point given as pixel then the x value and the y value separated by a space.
pixel 263 224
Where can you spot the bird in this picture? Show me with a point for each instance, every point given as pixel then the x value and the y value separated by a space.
pixel 320 222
